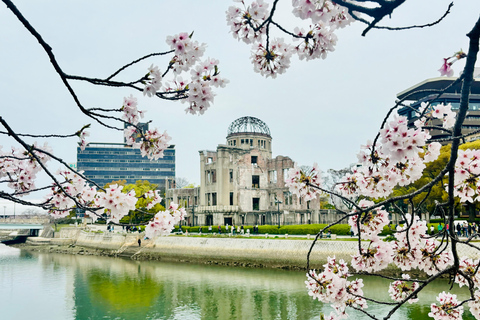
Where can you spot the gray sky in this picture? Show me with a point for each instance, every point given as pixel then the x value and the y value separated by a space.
pixel 319 111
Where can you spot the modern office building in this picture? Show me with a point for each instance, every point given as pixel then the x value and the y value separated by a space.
pixel 241 183
pixel 427 91
pixel 107 162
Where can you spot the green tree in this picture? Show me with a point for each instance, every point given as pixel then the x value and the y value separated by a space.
pixel 141 214
pixel 438 192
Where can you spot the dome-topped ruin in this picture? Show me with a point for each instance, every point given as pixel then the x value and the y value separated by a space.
pixel 249 125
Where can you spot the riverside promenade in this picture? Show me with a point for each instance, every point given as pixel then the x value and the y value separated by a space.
pixel 273 251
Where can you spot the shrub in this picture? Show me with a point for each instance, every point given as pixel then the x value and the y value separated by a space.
pixel 268 229
pixel 302 229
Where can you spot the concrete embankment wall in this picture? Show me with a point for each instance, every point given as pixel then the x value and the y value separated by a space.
pixel 284 253
pixel 251 251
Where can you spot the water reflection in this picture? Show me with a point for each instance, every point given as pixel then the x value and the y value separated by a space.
pixel 86 287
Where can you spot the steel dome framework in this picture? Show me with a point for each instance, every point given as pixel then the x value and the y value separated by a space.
pixel 248 125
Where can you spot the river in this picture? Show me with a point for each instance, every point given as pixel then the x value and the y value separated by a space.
pixel 57 286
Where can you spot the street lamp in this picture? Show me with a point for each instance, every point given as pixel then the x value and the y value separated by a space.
pixel 277 202
pixel 193 215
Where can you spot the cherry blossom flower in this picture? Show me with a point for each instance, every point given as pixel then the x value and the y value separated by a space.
pixel 115 202
pixel 242 22
pixel 375 257
pixel 154 143
pixel 331 286
pixel 448 309
pixel 445 69
pixel 302 183
pixel 164 221
pixel 272 60
pixel 130 112
pixel 399 290
pixel 317 42
pixel 19 168
pixel 370 222
pixel 474 305
pixel 433 260
pixel 469 267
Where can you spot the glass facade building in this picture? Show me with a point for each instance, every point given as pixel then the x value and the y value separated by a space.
pixel 427 91
pixel 107 162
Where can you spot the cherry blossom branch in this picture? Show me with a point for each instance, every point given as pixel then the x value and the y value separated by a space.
pixel 136 61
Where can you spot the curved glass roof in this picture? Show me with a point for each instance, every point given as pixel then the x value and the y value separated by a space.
pixel 248 125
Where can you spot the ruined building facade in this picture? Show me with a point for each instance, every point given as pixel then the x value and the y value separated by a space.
pixel 241 183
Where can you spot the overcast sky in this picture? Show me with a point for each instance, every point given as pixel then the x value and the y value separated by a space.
pixel 319 111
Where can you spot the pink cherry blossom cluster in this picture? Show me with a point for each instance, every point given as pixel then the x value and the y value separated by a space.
pixel 396 160
pixel 432 258
pixel 467 171
pixel 198 92
pixel 130 112
pixel 399 290
pixel 19 168
pixel 469 267
pixel 244 22
pixel 187 51
pixel 154 81
pixel 371 222
pixel 74 188
pixel 249 24
pixel 151 143
pixel 154 143
pixel 439 111
pixel 153 198
pixel 406 247
pixel 164 221
pixel 272 61
pixel 331 286
pixel 411 249
pixel 449 307
pixel 375 257
pixel 116 203
pixel 474 305
pixel 300 182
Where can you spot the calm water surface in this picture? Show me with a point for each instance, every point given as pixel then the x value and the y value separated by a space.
pixel 55 286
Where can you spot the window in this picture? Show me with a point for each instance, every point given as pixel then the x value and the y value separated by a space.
pixel 285 175
pixel 251 142
pixel 211 176
pixel 256 204
pixel 255 182
pixel 234 142
pixel 242 141
pixel 287 198
pixel 214 199
pixel 231 175
pixel 272 176
pixel 209 160
pixel 207 198
pixel 254 159
pixel 231 198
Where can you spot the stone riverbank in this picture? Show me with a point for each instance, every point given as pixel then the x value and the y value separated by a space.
pixel 239 251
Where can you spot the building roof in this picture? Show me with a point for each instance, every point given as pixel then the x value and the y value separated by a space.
pixel 431 86
pixel 248 125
